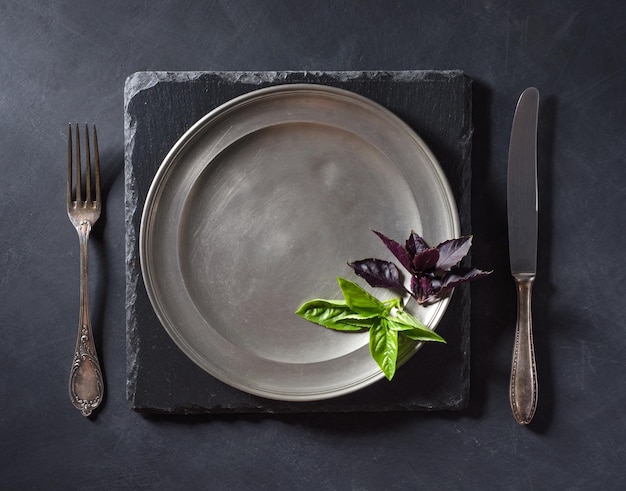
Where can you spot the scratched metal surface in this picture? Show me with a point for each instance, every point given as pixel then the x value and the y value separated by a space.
pixel 64 61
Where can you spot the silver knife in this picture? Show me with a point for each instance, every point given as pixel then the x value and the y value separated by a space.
pixel 522 218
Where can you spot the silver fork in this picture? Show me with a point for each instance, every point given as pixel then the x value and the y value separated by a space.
pixel 86 382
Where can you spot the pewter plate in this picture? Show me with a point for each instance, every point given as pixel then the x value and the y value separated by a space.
pixel 258 208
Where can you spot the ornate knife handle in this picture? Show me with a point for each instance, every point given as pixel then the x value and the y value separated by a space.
pixel 86 382
pixel 523 389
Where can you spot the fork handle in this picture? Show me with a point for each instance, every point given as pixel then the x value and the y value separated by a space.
pixel 523 388
pixel 86 383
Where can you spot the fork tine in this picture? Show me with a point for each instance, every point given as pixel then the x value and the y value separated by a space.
pixel 69 166
pixel 87 166
pixel 79 178
pixel 97 157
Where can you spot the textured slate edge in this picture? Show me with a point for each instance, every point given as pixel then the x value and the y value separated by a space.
pixel 460 305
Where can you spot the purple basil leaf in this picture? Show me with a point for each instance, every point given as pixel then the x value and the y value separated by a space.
pixel 425 289
pixel 426 260
pixel 422 288
pixel 379 273
pixel 436 283
pixel 415 244
pixel 415 288
pixel 397 250
pixel 459 276
pixel 452 251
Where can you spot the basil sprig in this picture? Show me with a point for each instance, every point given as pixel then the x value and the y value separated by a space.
pixel 435 271
pixel 358 311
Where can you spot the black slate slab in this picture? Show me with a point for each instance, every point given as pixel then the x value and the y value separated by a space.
pixel 160 107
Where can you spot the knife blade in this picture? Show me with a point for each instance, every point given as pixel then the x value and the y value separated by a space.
pixel 522 207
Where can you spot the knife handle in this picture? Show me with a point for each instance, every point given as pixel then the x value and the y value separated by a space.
pixel 523 389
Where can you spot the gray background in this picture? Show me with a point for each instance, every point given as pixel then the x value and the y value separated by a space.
pixel 67 61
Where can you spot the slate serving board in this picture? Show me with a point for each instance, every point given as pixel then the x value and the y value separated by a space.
pixel 160 107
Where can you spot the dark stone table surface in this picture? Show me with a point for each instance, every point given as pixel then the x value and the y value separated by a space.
pixel 66 61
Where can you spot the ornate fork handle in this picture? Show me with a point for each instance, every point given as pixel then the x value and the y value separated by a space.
pixel 86 382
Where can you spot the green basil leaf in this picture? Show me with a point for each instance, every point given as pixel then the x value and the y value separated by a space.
pixel 398 326
pixel 359 300
pixel 423 335
pixel 347 326
pixel 357 316
pixel 384 347
pixel 406 321
pixel 412 328
pixel 329 313
pixel 393 302
pixel 361 322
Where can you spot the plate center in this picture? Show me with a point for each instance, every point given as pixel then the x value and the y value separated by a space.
pixel 276 205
